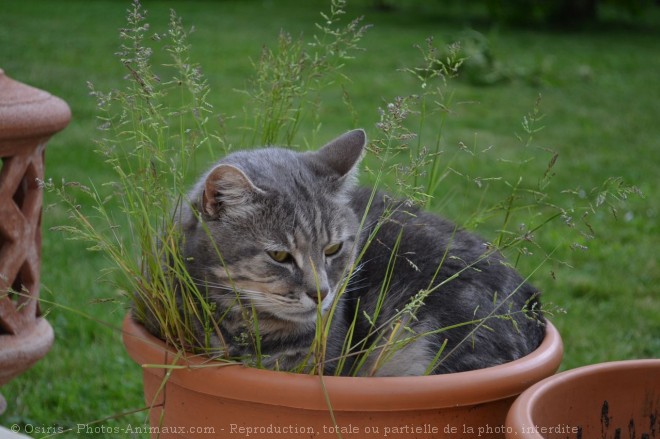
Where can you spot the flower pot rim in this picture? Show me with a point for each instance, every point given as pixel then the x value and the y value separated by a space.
pixel 239 382
pixel 521 412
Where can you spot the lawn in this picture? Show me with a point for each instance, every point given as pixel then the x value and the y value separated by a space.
pixel 600 97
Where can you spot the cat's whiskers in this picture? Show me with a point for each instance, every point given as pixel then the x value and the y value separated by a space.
pixel 243 292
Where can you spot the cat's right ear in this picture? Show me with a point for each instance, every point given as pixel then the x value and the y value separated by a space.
pixel 226 186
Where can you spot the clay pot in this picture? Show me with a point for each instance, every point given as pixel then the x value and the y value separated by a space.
pixel 236 401
pixel 608 400
pixel 28 118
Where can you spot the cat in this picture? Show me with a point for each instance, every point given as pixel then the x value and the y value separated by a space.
pixel 274 236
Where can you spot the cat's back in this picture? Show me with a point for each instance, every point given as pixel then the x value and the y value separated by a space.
pixel 424 238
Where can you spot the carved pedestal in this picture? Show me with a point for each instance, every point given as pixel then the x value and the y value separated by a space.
pixel 28 118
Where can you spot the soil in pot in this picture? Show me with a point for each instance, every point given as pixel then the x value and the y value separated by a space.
pixel 618 400
pixel 236 402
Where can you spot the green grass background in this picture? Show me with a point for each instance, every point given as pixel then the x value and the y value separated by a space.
pixel 601 100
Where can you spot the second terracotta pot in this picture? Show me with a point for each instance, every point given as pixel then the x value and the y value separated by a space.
pixel 607 401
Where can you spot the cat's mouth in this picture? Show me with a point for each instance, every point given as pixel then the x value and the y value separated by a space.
pixel 300 316
pixel 307 314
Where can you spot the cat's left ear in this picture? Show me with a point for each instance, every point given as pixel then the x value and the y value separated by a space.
pixel 344 153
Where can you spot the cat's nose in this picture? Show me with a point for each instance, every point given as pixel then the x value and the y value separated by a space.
pixel 317 294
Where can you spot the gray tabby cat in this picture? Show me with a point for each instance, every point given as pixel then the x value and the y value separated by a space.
pixel 273 232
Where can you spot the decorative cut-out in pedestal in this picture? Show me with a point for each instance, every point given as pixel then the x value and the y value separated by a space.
pixel 20 237
pixel 28 118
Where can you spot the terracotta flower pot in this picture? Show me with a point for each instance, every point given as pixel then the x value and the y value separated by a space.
pixel 608 400
pixel 236 401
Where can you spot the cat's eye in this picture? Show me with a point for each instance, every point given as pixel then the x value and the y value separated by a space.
pixel 332 249
pixel 280 256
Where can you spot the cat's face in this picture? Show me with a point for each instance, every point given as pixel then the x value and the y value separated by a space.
pixel 282 226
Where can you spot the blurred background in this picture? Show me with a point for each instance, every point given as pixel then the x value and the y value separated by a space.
pixel 595 65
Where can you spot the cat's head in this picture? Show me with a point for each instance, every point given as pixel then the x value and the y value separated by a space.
pixel 277 227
